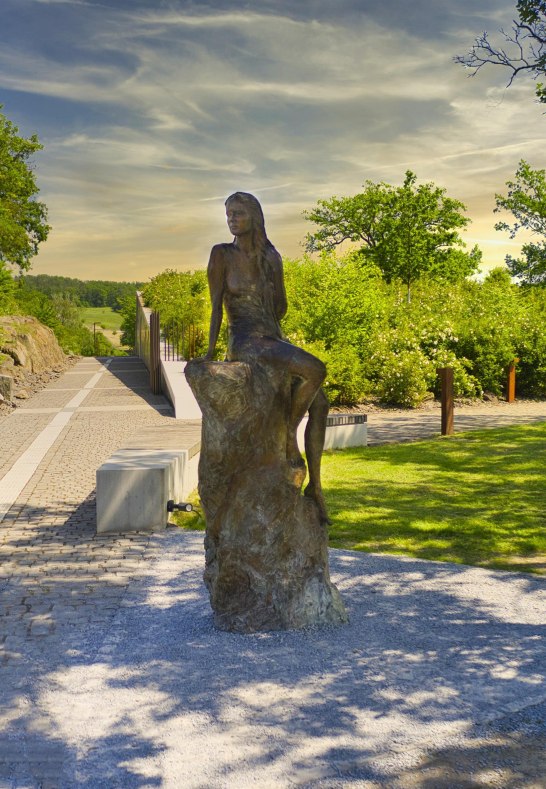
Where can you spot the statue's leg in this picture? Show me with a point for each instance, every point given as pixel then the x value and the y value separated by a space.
pixel 309 373
pixel 314 444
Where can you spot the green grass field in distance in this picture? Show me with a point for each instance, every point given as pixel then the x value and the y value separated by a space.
pixel 102 316
pixel 473 498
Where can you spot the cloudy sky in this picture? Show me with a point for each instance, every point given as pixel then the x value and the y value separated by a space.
pixel 151 113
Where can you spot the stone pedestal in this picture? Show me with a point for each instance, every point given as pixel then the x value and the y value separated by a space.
pixel 266 549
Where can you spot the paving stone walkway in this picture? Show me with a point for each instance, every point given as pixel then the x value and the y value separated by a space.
pixel 61 585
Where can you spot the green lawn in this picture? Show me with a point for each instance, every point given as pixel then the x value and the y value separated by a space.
pixel 474 498
pixel 104 317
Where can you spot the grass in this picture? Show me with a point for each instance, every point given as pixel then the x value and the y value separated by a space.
pixel 190 521
pixel 107 321
pixel 474 498
pixel 104 317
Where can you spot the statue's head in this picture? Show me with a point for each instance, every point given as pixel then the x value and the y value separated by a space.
pixel 254 210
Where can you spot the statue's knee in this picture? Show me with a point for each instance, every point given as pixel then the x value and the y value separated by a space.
pixel 320 370
pixel 320 405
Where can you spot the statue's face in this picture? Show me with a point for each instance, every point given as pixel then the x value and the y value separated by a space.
pixel 238 219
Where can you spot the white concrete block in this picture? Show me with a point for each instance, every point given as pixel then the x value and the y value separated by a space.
pixel 178 391
pixel 338 436
pixel 343 436
pixel 133 488
pixel 190 478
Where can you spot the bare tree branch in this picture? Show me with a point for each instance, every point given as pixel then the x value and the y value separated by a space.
pixel 527 47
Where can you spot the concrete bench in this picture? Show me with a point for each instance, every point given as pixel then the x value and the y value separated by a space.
pixel 342 431
pixel 136 482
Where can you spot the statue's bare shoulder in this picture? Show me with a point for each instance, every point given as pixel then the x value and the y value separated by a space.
pixel 217 259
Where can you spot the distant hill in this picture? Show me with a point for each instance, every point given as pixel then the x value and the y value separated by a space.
pixel 87 293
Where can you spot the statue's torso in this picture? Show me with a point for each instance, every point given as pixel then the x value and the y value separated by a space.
pixel 249 300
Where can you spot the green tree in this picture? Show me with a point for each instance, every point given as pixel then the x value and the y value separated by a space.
pixel 181 298
pixel 178 296
pixel 128 324
pixel 407 231
pixel 23 223
pixel 526 200
pixel 7 286
pixel 523 50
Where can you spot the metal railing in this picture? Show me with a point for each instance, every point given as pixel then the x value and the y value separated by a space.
pixel 180 341
pixel 147 342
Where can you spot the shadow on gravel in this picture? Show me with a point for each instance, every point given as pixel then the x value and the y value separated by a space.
pixel 60 591
pixel 153 695
pixel 488 757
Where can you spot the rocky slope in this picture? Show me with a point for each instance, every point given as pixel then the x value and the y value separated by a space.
pixel 30 356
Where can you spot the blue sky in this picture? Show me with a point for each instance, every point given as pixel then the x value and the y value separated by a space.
pixel 151 113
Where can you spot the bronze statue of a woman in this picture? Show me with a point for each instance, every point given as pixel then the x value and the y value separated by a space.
pixel 246 279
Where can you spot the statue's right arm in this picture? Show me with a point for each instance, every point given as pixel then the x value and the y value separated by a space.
pixel 215 273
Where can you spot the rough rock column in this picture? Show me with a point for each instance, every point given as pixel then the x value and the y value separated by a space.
pixel 265 547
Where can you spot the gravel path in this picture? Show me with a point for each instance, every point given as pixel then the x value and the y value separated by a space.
pixel 396 425
pixel 112 675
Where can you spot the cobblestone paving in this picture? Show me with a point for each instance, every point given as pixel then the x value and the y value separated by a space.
pixel 60 584
pixel 48 399
pixel 18 437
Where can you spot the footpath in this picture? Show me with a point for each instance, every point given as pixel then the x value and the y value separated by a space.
pixel 111 674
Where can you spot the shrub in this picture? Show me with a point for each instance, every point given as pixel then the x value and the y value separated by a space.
pixel 345 383
pixel 406 377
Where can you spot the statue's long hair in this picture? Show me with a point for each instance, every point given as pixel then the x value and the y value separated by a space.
pixel 260 241
pixel 260 244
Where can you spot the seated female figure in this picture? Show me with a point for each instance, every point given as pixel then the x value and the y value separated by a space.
pixel 246 279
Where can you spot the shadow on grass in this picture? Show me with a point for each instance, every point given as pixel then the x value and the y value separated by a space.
pixel 475 498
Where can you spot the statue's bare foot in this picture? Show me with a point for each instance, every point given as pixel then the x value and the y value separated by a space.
pixel 317 495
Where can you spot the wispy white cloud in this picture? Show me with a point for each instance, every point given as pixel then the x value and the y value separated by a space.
pixel 162 110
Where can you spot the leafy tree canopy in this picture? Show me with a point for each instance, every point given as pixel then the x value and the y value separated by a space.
pixel 523 50
pixel 407 230
pixel 526 200
pixel 91 293
pixel 179 296
pixel 23 223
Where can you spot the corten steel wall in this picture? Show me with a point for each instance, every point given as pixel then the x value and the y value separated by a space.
pixel 147 342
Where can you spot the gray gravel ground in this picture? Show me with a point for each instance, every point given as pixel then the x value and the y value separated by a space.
pixel 436 659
